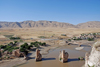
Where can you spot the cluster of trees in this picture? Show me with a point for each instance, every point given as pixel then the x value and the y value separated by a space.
pixel 10 47
pixel 90 39
pixel 36 44
pixel 25 46
pixel 12 44
pixel 93 36
pixel 89 34
pixel 76 38
pixel 13 38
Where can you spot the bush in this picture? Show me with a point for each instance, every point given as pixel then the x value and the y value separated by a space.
pixel 44 44
pixel 41 36
pixel 21 40
pixel 27 47
pixel 2 46
pixel 36 45
pixel 78 39
pixel 63 34
pixel 11 43
pixel 32 43
pixel 12 38
pixel 69 39
pixel 82 34
pixel 94 34
pixel 40 43
pixel 74 38
pixel 22 49
pixel 8 48
pixel 15 42
pixel 25 44
pixel 90 39
pixel 16 48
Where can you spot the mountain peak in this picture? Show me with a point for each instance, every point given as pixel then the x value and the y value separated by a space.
pixel 44 23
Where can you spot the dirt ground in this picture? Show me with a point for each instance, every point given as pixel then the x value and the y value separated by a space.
pixel 31 35
pixel 34 33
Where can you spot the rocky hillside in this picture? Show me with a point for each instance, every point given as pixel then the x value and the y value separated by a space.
pixel 90 24
pixel 32 24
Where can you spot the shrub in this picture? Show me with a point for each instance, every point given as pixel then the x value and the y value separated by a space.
pixel 27 47
pixel 32 43
pixel 94 34
pixel 21 40
pixel 15 42
pixel 36 45
pixel 90 39
pixel 69 39
pixel 82 34
pixel 10 47
pixel 7 48
pixel 63 34
pixel 74 38
pixel 41 36
pixel 12 38
pixel 44 44
pixel 2 46
pixel 11 43
pixel 60 59
pixel 22 49
pixel 78 39
pixel 25 44
pixel 40 43
pixel 16 48
pixel 10 50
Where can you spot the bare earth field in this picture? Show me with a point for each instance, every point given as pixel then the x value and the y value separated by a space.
pixel 32 34
pixel 35 32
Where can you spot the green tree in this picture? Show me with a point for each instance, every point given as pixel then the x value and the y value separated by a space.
pixel 15 42
pixel 22 49
pixel 69 39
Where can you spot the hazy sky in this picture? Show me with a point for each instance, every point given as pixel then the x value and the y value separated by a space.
pixel 71 11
